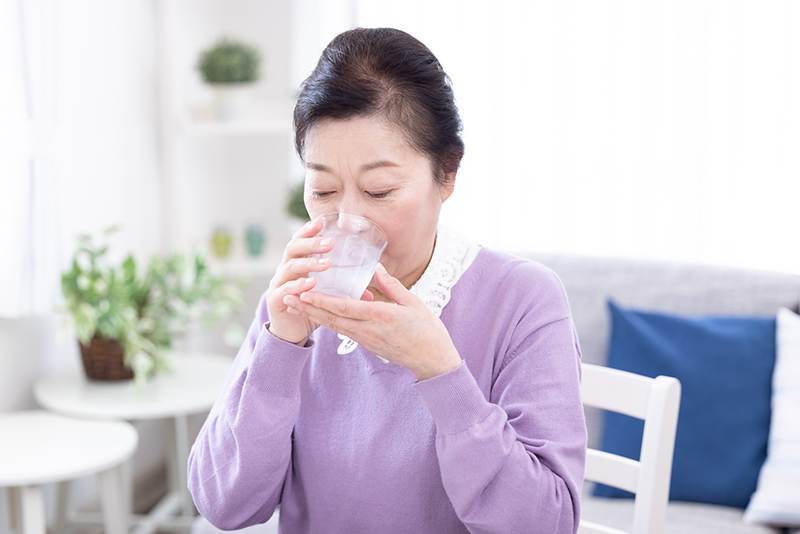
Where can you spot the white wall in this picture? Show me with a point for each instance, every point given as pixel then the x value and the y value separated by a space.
pixel 107 157
pixel 314 24
pixel 27 347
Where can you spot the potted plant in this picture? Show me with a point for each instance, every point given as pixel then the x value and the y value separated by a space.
pixel 126 320
pixel 296 207
pixel 231 67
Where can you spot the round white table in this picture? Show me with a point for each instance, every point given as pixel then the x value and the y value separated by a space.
pixel 39 448
pixel 192 388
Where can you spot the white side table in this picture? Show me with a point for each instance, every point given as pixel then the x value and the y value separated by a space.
pixel 39 447
pixel 192 388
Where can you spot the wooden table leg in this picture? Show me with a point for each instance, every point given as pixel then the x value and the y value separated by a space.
pixel 13 509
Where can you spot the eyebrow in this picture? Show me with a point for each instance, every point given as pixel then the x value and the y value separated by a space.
pixel 364 168
pixel 378 165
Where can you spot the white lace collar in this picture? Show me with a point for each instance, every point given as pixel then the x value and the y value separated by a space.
pixel 452 255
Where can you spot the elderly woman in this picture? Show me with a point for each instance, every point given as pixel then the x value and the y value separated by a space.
pixel 475 423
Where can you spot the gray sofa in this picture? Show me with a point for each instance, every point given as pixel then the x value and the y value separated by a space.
pixel 673 288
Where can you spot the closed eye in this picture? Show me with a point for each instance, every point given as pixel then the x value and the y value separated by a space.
pixel 380 194
pixel 321 194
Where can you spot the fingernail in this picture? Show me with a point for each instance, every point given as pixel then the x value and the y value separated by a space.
pixel 380 268
pixel 323 261
pixel 325 242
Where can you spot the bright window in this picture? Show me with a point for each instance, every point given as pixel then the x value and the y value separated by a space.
pixel 656 130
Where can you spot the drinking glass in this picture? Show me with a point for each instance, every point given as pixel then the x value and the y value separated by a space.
pixel 357 246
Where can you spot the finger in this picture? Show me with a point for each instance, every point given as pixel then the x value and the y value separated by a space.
pixel 294 287
pixel 292 304
pixel 311 228
pixel 305 241
pixel 302 266
pixel 305 246
pixel 300 258
pixel 389 285
pixel 321 316
pixel 297 268
pixel 367 296
pixel 321 306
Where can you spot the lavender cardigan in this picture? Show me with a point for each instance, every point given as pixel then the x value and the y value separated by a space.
pixel 347 443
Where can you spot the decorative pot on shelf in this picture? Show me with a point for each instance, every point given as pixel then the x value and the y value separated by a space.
pixel 254 239
pixel 104 359
pixel 221 241
pixel 233 100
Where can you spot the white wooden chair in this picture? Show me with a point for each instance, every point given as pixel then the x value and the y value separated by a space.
pixel 655 400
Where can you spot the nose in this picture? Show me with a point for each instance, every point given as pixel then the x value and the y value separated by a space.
pixel 349 202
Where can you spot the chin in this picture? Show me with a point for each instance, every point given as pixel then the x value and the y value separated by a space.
pixel 388 264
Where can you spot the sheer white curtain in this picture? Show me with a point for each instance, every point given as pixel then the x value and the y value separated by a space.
pixel 29 262
pixel 660 129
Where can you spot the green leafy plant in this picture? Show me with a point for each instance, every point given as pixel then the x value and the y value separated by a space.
pixel 294 203
pixel 229 61
pixel 144 311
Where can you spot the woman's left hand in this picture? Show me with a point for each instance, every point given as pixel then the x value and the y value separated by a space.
pixel 404 332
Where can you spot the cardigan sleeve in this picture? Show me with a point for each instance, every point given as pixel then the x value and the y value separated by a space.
pixel 514 462
pixel 233 482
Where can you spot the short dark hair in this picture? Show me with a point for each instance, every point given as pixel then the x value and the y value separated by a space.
pixel 386 73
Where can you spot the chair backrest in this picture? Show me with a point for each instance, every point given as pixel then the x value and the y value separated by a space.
pixel 656 401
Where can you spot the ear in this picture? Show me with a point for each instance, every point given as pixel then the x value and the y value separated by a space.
pixel 449 185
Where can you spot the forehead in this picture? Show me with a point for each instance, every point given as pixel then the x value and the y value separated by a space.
pixel 363 135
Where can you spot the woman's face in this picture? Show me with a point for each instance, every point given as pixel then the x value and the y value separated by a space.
pixel 365 167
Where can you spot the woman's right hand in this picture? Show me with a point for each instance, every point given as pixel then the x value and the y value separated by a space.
pixel 291 278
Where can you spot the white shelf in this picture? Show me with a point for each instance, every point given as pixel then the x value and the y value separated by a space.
pixel 225 172
pixel 245 127
pixel 246 266
pixel 262 119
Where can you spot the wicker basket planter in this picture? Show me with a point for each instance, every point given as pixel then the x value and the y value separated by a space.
pixel 104 359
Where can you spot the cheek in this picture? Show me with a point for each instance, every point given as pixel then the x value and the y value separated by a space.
pixel 406 230
pixel 395 234
pixel 316 206
pixel 314 210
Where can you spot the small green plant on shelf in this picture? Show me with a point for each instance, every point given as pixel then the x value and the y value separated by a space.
pixel 230 61
pixel 141 312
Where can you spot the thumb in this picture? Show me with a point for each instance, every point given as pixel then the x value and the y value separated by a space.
pixel 389 285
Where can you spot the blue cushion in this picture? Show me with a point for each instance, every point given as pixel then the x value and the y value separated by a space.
pixel 725 368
